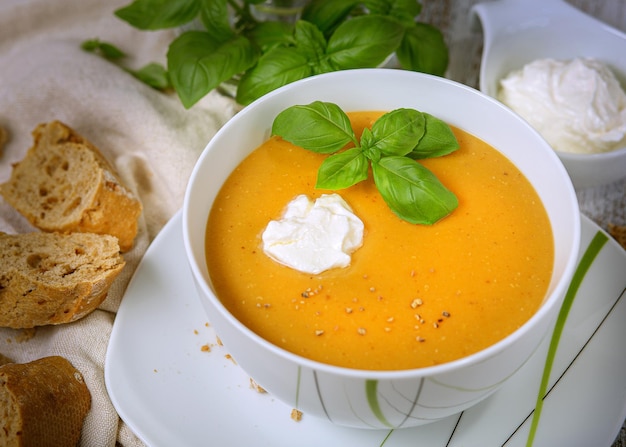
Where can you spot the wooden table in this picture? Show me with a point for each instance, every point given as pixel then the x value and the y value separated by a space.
pixel 605 204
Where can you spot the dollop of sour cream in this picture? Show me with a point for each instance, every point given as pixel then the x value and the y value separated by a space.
pixel 314 236
pixel 577 105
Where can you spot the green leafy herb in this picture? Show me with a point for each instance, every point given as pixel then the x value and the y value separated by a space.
pixel 107 50
pixel 159 14
pixel 397 139
pixel 152 74
pixel 197 63
pixel 225 40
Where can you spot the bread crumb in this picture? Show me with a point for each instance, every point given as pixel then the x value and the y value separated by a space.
pixel 619 233
pixel 219 342
pixel 255 386
pixel 230 357
pixel 4 137
pixel 205 348
pixel 296 415
pixel 25 334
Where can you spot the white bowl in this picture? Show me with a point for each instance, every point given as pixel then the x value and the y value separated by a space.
pixel 407 397
pixel 517 32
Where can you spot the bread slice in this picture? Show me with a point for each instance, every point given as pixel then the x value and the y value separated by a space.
pixel 54 278
pixel 42 403
pixel 65 184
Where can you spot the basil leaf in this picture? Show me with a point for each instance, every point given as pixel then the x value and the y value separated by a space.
pixel 327 15
pixel 154 75
pixel 319 127
pixel 197 63
pixel 364 41
pixel 310 41
pixel 107 50
pixel 214 16
pixel 278 67
pixel 343 169
pixel 423 49
pixel 438 140
pixel 158 14
pixel 403 10
pixel 412 191
pixel 267 35
pixel 399 131
pixel 368 147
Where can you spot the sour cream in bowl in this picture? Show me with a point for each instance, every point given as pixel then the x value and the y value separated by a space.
pixel 563 71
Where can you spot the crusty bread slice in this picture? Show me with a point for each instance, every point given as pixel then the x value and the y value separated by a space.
pixel 65 184
pixel 54 278
pixel 42 403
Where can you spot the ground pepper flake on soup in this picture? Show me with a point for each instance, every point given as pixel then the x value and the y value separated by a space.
pixel 413 295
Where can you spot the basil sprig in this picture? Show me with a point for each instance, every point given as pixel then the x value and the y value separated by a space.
pixel 152 74
pixel 228 42
pixel 397 139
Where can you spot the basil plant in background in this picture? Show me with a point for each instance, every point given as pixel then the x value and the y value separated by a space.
pixel 227 40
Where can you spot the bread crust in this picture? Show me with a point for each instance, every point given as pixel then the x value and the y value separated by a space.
pixel 42 403
pixel 65 184
pixel 54 278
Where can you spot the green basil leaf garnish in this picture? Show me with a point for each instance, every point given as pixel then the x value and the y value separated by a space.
pixel 396 139
pixel 399 131
pixel 437 141
pixel 319 127
pixel 412 191
pixel 343 169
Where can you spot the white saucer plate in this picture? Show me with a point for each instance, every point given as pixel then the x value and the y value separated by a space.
pixel 172 391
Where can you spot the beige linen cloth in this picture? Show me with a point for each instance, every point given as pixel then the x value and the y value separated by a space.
pixel 147 135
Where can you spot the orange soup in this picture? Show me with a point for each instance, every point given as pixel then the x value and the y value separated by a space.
pixel 413 295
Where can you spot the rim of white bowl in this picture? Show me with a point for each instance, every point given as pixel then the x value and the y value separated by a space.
pixel 549 302
pixel 607 155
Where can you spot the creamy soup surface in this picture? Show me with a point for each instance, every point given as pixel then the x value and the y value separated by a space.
pixel 413 295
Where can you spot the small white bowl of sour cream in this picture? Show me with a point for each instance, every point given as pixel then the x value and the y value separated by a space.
pixel 518 32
